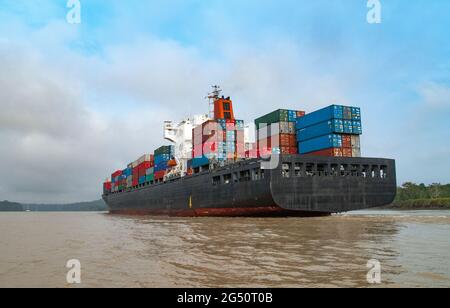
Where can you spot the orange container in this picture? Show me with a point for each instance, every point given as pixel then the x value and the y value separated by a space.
pixel 347 152
pixel 346 141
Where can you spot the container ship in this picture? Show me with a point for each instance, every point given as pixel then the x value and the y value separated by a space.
pixel 287 163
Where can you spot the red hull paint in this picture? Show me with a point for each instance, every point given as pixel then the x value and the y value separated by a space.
pixel 220 212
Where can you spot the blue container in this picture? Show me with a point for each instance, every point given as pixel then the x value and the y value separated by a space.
pixel 320 143
pixel 200 161
pixel 319 116
pixel 356 114
pixel 357 127
pixel 142 180
pixel 161 166
pixel 324 128
pixel 348 127
pixel 127 172
pixel 292 115
pixel 347 113
pixel 162 158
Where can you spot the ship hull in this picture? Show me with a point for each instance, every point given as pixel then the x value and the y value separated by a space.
pixel 298 186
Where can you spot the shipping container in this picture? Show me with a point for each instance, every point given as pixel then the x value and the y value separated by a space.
pixel 159 175
pixel 319 116
pixel 320 143
pixel 356 141
pixel 357 127
pixel 160 158
pixel 161 166
pixel 356 114
pixel 347 113
pixel 280 115
pixel 200 161
pixel 150 178
pixel 334 126
pixel 356 152
pixel 347 152
pixel 331 152
pixel 347 141
pixel 167 149
pixel 348 127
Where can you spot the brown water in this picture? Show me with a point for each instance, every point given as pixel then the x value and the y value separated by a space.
pixel 120 251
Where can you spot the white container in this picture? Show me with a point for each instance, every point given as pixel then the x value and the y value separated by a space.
pixel 356 141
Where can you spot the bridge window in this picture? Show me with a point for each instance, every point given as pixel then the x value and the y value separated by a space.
pixel 245 176
pixel 375 171
pixel 365 170
pixel 216 180
pixel 383 172
pixel 235 177
pixel 286 170
pixel 310 169
pixel 334 169
pixel 355 170
pixel 344 170
pixel 227 179
pixel 322 169
pixel 298 169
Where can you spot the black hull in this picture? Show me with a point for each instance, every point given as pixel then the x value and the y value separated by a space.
pixel 299 186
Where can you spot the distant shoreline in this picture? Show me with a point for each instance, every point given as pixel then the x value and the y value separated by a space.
pixel 419 204
pixel 100 206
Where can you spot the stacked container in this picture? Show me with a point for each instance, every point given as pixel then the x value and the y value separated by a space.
pixel 221 140
pixel 276 132
pixel 107 187
pixel 116 181
pixel 331 131
pixel 162 157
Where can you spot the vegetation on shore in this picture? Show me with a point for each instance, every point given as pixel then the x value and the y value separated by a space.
pixel 93 206
pixel 421 196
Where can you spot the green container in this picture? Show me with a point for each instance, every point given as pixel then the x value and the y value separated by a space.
pixel 150 178
pixel 280 115
pixel 167 149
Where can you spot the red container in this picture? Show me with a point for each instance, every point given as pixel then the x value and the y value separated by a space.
pixel 116 174
pixel 107 186
pixel 347 152
pixel 285 150
pixel 331 152
pixel 293 150
pixel 300 114
pixel 159 175
pixel 135 181
pixel 285 141
pixel 346 141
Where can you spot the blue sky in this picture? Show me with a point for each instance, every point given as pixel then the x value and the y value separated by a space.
pixel 131 64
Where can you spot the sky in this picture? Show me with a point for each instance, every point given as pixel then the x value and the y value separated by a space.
pixel 78 101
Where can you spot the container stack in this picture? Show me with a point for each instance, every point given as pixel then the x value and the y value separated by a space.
pixel 107 185
pixel 220 140
pixel 116 181
pixel 275 132
pixel 331 131
pixel 127 175
pixel 163 155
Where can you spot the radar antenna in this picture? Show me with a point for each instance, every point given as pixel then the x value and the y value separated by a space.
pixel 212 97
